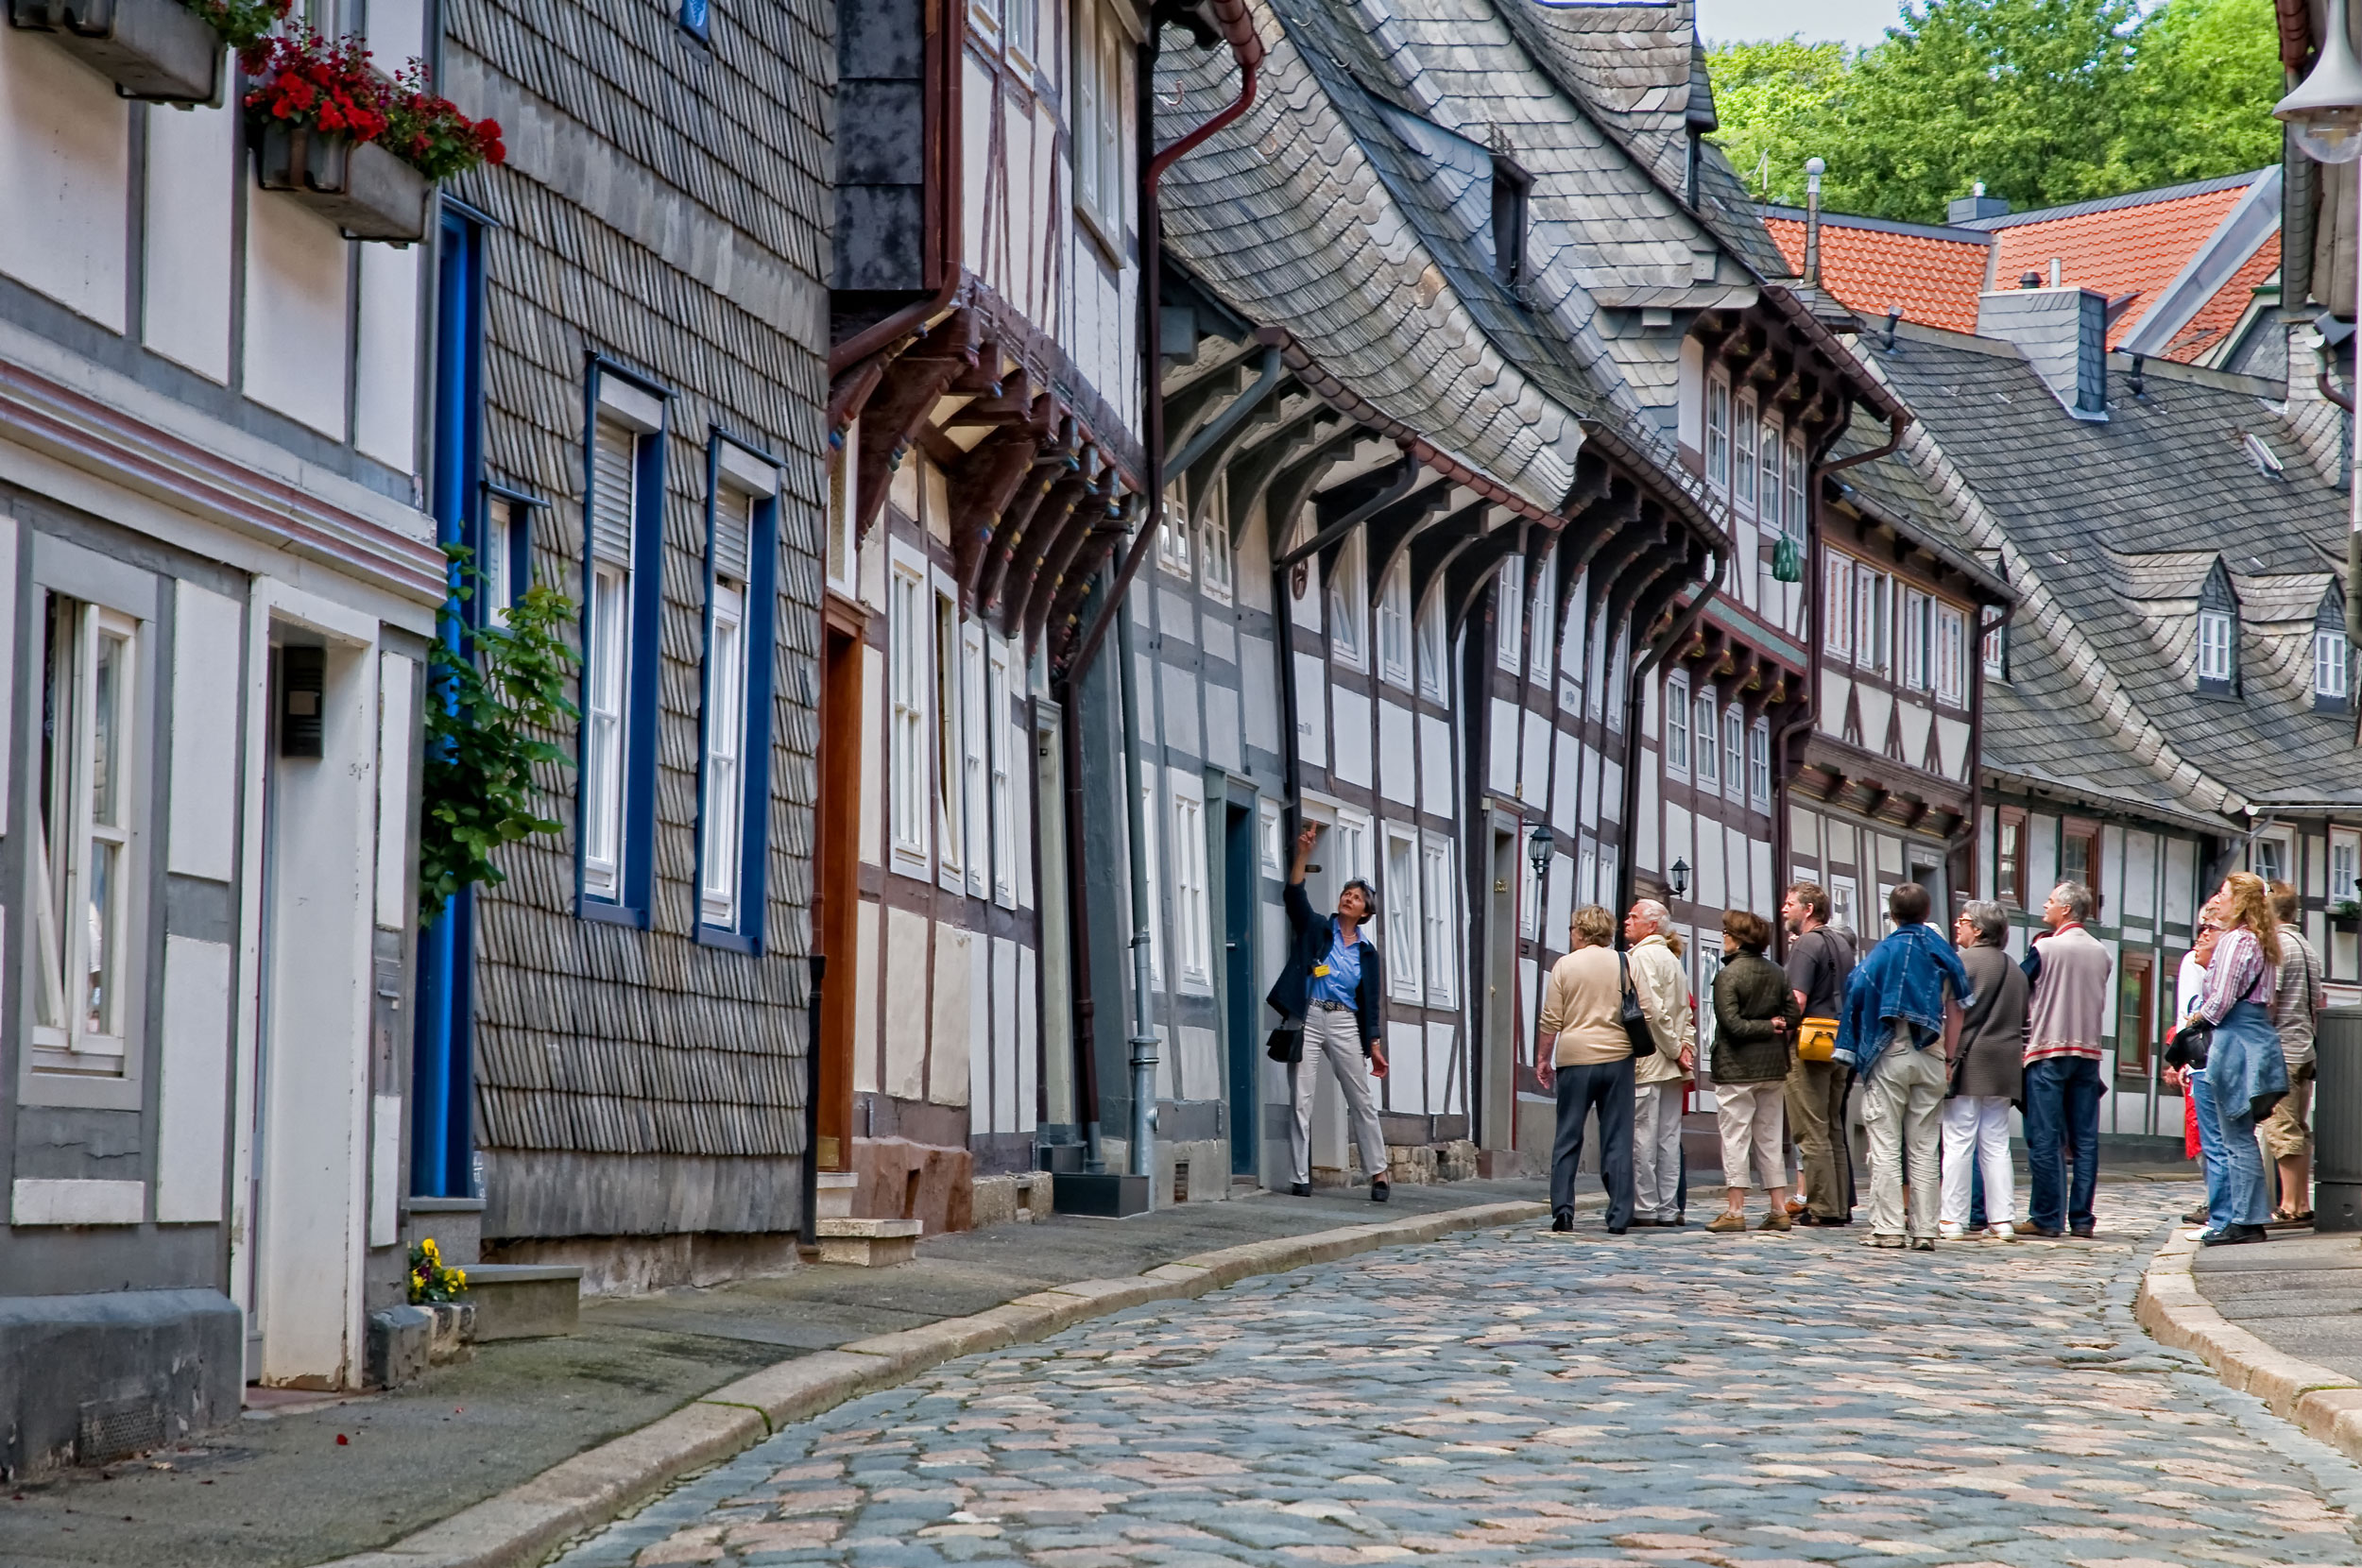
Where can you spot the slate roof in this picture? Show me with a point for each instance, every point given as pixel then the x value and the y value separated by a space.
pixel 1312 213
pixel 2107 530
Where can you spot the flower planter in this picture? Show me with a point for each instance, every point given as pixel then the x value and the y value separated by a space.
pixel 360 187
pixel 159 51
pixel 2343 922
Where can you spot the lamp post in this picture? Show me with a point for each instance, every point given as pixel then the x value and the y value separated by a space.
pixel 1539 846
pixel 2324 113
pixel 1678 878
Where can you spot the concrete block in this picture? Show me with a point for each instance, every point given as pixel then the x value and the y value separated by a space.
pixel 170 1363
pixel 834 1192
pixel 453 1334
pixel 870 1243
pixel 455 1223
pixel 524 1301
pixel 399 1340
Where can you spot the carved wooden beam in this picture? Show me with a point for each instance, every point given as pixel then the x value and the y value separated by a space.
pixel 1054 457
pixel 1392 528
pixel 1014 400
pixel 1434 550
pixel 1098 527
pixel 1060 524
pixel 894 413
pixel 1477 566
pixel 983 485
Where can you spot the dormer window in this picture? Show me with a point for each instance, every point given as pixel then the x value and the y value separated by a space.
pixel 2218 634
pixel 1511 186
pixel 2332 657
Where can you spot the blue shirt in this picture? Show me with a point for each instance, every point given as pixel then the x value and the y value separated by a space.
pixel 1344 971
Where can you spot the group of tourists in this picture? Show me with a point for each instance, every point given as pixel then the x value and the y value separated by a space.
pixel 1942 1037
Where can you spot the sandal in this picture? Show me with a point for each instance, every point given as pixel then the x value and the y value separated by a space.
pixel 2282 1216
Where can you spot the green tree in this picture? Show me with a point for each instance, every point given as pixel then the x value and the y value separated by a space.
pixel 2045 101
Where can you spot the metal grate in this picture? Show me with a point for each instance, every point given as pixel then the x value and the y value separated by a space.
pixel 116 1428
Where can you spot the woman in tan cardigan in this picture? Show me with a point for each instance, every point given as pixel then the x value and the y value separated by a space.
pixel 1590 1065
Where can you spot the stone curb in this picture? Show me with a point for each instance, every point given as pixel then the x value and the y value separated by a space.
pixel 2323 1404
pixel 526 1523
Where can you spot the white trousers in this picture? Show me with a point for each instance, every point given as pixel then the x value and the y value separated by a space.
pixel 1902 1107
pixel 1751 1118
pixel 1334 1034
pixel 1977 1131
pixel 1656 1149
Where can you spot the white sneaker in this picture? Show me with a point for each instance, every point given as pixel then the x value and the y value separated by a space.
pixel 1951 1231
pixel 2003 1232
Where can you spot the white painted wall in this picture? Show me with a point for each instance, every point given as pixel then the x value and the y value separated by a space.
pixel 298 299
pixel 192 201
pixel 65 165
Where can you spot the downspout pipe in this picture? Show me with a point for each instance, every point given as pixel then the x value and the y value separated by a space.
pixel 1626 871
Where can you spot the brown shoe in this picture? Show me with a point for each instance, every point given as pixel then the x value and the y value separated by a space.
pixel 1796 1206
pixel 1776 1221
pixel 1725 1223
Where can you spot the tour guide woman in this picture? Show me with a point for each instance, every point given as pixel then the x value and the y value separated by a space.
pixel 1332 985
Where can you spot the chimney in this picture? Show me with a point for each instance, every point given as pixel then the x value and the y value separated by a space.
pixel 1814 168
pixel 2063 334
pixel 1975 205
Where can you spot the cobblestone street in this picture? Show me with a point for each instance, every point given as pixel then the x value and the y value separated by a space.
pixel 1671 1397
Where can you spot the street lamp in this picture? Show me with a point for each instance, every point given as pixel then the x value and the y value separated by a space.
pixel 2324 115
pixel 1679 876
pixel 1538 845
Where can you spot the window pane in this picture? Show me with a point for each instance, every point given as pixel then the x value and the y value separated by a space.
pixel 107 678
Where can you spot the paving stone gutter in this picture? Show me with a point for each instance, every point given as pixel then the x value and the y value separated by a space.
pixel 2324 1404
pixel 528 1523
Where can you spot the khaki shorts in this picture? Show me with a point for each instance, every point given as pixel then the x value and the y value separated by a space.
pixel 2287 1132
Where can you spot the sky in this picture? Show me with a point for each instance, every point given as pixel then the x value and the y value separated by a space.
pixel 1863 21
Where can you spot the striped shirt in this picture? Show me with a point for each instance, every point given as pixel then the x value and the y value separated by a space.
pixel 2236 974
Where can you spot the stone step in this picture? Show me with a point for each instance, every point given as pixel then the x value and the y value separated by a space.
pixel 524 1301
pixel 832 1195
pixel 455 1223
pixel 870 1243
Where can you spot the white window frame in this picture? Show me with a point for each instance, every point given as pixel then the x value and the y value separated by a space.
pixel 1151 832
pixel 1917 634
pixel 1193 899
pixel 1218 550
pixel 1706 751
pixel 976 728
pixel 947 759
pixel 1995 650
pixel 1403 931
pixel 65 859
pixel 842 565
pixel 1873 631
pixel 2271 856
pixel 1743 457
pixel 723 843
pixel 2345 866
pixel 1759 764
pixel 2215 637
pixel 1395 655
pixel 1172 536
pixel 1000 731
pixel 608 652
pixel 1349 847
pixel 1508 597
pixel 497 567
pixel 1269 849
pixel 1735 752
pixel 910 673
pixel 1677 726
pixel 1348 605
pixel 1792 519
pixel 1951 655
pixel 1439 904
pixel 1837 606
pixel 1718 436
pixel 1541 621
pixel 1770 492
pixel 1100 133
pixel 2332 659
pixel 1433 641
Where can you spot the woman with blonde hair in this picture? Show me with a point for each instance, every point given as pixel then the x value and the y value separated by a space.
pixel 2230 1041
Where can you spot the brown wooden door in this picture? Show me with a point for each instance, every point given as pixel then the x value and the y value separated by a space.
pixel 836 890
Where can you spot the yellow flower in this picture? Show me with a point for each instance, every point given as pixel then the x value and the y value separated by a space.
pixel 459 1279
pixel 428 1248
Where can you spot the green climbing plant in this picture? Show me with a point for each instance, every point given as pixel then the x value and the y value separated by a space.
pixel 495 693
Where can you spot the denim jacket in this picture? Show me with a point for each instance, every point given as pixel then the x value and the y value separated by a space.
pixel 1903 980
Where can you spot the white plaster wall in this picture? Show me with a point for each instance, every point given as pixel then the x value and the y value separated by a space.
pixel 298 284
pixel 866 1079
pixel 386 385
pixel 951 1043
pixel 206 653
pixel 66 169
pixel 193 1117
pixel 906 1018
pixel 1352 736
pixel 192 197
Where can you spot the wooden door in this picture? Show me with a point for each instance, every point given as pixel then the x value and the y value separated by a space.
pixel 836 880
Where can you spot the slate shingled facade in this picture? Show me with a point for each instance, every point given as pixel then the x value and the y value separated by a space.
pixel 639 1071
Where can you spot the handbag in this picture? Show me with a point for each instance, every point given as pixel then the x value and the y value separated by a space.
pixel 1628 1013
pixel 1286 1043
pixel 2188 1045
pixel 1816 1039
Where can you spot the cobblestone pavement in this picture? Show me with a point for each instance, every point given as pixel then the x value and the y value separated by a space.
pixel 1669 1397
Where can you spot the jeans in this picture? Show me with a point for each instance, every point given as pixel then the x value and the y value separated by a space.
pixel 1335 1034
pixel 1657 1150
pixel 1901 1105
pixel 1816 1114
pixel 1607 1087
pixel 2235 1194
pixel 1977 1134
pixel 2061 1102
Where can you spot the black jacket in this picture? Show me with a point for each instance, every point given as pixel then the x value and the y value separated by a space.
pixel 1749 993
pixel 1315 933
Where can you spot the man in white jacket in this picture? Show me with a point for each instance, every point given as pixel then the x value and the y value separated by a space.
pixel 1659 1082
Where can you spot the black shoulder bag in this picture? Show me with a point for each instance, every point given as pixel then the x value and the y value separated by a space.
pixel 1636 1022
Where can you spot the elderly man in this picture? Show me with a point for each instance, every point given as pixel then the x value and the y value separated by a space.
pixel 1898 1004
pixel 2070 968
pixel 1660 1080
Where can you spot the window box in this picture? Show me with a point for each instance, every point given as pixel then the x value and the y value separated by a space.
pixel 360 187
pixel 2346 916
pixel 157 51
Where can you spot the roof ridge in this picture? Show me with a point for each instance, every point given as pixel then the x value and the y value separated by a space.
pixel 2115 203
pixel 1951 232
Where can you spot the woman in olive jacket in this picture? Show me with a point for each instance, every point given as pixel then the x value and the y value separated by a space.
pixel 1988 1073
pixel 1754 1033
